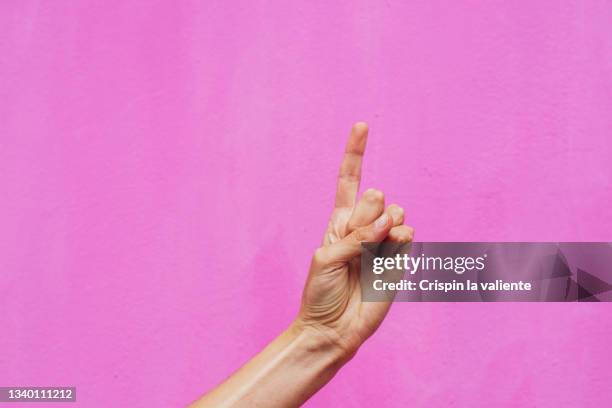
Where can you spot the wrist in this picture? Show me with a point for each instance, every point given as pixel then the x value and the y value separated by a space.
pixel 315 339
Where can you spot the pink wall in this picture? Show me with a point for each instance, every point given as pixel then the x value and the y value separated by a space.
pixel 168 167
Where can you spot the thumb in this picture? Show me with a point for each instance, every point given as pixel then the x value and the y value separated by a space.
pixel 350 246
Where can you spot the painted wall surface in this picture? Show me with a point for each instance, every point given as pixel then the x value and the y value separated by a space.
pixel 167 168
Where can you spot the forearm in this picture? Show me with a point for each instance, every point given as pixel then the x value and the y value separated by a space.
pixel 285 374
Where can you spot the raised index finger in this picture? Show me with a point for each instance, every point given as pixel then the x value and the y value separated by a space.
pixel 350 170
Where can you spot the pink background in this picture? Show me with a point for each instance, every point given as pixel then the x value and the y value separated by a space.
pixel 167 168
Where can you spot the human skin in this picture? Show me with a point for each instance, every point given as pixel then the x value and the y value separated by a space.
pixel 332 322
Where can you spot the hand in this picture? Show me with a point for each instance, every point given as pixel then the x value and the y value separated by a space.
pixel 333 322
pixel 331 303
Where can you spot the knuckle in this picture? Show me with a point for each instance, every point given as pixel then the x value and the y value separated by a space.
pixel 397 212
pixel 410 233
pixel 320 256
pixel 373 194
pixel 403 238
pixel 402 234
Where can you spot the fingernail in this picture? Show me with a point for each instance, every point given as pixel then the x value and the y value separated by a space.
pixel 381 222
